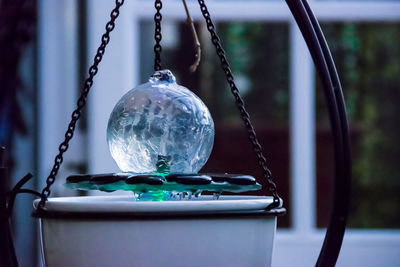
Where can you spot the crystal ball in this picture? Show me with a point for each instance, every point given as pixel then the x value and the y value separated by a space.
pixel 160 127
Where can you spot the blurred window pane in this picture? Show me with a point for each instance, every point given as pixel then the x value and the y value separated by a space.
pixel 368 61
pixel 258 54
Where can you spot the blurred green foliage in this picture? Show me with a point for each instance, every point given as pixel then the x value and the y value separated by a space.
pixel 259 57
pixel 258 54
pixel 368 61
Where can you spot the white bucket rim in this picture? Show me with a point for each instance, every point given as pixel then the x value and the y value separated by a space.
pixel 128 206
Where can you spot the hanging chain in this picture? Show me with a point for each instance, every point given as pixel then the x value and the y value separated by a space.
pixel 240 103
pixel 76 114
pixel 157 35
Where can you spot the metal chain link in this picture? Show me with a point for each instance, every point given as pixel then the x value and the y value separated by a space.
pixel 76 114
pixel 157 35
pixel 262 162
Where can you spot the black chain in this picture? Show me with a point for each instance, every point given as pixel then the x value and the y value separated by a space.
pixel 157 35
pixel 76 114
pixel 240 103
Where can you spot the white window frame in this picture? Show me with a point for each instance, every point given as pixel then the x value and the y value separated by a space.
pixel 119 72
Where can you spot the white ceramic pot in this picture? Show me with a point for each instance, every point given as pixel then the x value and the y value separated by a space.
pixel 118 231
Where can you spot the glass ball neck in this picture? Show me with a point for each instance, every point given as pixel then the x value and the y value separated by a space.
pixel 162 76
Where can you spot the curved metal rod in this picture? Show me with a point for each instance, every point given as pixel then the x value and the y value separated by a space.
pixel 14 192
pixel 342 197
pixel 324 63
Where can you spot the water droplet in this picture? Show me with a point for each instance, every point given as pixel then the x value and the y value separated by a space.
pixel 198 193
pixel 216 195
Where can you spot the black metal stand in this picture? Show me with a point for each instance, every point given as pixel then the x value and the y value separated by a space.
pixel 8 256
pixel 7 251
pixel 324 63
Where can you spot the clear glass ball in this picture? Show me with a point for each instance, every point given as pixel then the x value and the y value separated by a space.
pixel 160 127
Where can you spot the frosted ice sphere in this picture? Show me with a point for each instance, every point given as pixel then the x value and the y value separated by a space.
pixel 160 127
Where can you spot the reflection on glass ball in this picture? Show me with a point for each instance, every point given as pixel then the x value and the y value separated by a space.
pixel 160 127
